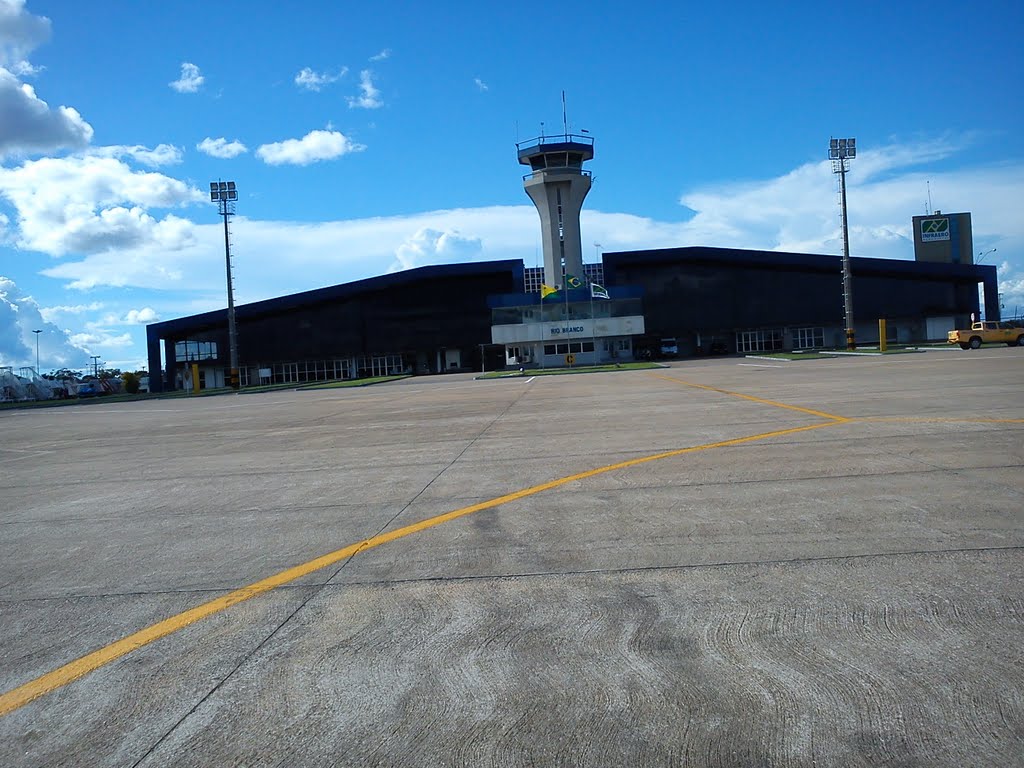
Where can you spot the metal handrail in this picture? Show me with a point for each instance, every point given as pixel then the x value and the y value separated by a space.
pixel 574 169
pixel 558 138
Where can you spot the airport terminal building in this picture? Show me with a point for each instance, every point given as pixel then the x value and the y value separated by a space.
pixel 490 315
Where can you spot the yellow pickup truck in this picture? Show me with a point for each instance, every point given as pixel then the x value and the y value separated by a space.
pixel 988 332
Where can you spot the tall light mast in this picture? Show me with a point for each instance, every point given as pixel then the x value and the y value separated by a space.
pixel 225 195
pixel 840 152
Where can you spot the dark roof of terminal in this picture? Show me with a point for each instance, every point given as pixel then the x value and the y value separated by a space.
pixel 796 261
pixel 342 291
pixel 612 260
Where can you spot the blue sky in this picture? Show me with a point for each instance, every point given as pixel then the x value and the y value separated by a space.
pixel 367 138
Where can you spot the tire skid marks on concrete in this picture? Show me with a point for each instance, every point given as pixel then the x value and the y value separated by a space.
pixel 870 705
pixel 838 662
pixel 656 655
pixel 766 686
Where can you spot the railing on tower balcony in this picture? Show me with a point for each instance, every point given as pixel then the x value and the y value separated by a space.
pixel 558 138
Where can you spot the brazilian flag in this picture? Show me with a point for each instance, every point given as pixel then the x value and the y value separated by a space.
pixel 571 281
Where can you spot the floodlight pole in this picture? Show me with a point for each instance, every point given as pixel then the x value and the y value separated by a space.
pixel 224 193
pixel 851 342
pixel 232 337
pixel 841 151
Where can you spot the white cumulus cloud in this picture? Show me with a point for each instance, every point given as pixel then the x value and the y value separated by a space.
pixel 314 81
pixel 140 316
pixel 162 154
pixel 101 338
pixel 20 33
pixel 369 97
pixel 221 148
pixel 88 204
pixel 51 314
pixel 432 246
pixel 311 148
pixel 20 315
pixel 190 80
pixel 480 84
pixel 28 124
pixel 795 212
pixel 146 266
pixel 385 54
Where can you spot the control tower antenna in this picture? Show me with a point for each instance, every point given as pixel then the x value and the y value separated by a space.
pixel 557 184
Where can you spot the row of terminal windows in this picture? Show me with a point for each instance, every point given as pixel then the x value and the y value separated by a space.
pixel 565 348
pixel 808 338
pixel 323 370
pixel 557 160
pixel 759 341
pixel 612 346
pixel 193 351
pixel 773 339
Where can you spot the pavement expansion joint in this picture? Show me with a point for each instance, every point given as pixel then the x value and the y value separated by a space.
pixel 680 566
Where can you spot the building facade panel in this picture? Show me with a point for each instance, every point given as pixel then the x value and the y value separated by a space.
pixel 432 318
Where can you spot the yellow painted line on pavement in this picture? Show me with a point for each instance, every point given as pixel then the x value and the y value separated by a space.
pixel 940 420
pixel 23 694
pixel 761 400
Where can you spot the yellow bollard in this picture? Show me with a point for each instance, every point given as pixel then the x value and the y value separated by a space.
pixel 881 334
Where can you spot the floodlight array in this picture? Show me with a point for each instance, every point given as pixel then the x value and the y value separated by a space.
pixel 842 149
pixel 223 191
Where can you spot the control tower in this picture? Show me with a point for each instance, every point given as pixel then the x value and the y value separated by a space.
pixel 558 185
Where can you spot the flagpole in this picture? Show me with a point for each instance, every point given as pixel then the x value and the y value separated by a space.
pixel 593 320
pixel 568 327
pixel 541 319
pixel 593 323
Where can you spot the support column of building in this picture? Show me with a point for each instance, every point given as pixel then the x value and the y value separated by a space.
pixel 170 366
pixel 992 309
pixel 156 384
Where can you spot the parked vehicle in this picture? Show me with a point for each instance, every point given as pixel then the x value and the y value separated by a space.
pixel 987 332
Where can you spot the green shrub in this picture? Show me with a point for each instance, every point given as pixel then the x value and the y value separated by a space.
pixel 131 383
